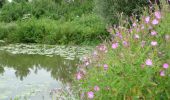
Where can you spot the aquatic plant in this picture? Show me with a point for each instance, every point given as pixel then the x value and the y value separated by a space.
pixel 67 52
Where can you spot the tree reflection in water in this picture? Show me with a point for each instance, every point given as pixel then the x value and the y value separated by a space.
pixel 59 68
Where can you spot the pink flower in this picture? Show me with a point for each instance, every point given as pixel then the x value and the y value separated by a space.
pixel 162 73
pixel 153 33
pixel 130 30
pixel 114 45
pixel 154 43
pixel 148 62
pixel 90 95
pixel 136 36
pixel 155 22
pixel 147 19
pixel 79 76
pixel 103 48
pixel 96 88
pixel 125 43
pixel 87 63
pixel 158 14
pixel 119 35
pixel 134 24
pixel 95 53
pixel 105 66
pixel 165 65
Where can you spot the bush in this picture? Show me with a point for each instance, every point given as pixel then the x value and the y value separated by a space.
pixel 134 65
pixel 85 29
pixel 6 29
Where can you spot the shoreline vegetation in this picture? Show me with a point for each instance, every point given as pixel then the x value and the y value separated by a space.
pixel 51 22
pixel 69 22
pixel 134 65
pixel 132 56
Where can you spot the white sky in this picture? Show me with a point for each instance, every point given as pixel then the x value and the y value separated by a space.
pixel 10 0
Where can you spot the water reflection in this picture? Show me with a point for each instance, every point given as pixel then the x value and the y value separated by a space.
pixel 58 67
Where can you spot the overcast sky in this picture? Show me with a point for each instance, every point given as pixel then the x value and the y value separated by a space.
pixel 10 0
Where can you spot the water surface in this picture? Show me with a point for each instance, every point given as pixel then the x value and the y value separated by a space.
pixel 35 75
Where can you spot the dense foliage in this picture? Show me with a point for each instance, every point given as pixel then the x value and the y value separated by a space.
pixel 62 21
pixel 51 22
pixel 134 65
pixel 79 31
pixel 45 8
pixel 111 9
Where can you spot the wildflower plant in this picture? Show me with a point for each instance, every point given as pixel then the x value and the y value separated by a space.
pixel 136 64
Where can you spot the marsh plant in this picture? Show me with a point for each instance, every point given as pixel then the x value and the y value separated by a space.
pixel 134 64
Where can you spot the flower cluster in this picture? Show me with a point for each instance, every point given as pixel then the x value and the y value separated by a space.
pixel 139 45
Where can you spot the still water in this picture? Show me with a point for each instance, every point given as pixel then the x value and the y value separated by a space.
pixel 34 76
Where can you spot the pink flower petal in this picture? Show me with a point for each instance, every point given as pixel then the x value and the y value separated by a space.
pixel 165 65
pixel 114 45
pixel 154 43
pixel 155 22
pixel 147 19
pixel 148 62
pixel 96 88
pixel 90 95
pixel 153 33
pixel 158 14
pixel 136 36
pixel 79 76
pixel 105 66
pixel 162 73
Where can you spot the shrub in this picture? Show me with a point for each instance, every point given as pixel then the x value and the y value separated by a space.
pixel 134 65
pixel 81 30
pixel 6 29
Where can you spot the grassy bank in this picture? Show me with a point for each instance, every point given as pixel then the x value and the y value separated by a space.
pixel 134 65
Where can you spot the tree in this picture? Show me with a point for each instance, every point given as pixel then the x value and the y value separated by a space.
pixel 110 8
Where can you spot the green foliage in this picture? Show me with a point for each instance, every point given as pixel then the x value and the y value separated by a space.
pixel 88 28
pixel 52 21
pixel 2 3
pixel 14 11
pixel 128 75
pixel 45 8
pixel 110 9
pixel 6 29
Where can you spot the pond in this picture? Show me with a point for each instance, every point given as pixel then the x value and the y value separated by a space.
pixel 35 72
